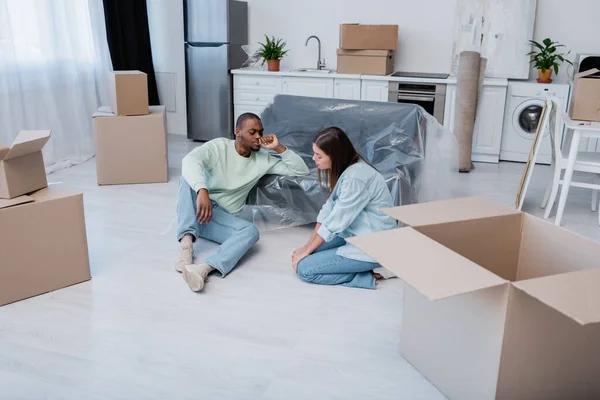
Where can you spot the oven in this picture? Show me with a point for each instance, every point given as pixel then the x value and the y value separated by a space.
pixel 430 96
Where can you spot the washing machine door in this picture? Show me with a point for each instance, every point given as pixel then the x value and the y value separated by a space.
pixel 526 117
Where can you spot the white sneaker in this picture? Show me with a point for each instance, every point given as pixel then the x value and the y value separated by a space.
pixel 186 253
pixel 195 275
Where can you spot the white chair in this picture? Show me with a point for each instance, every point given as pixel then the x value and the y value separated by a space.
pixel 586 161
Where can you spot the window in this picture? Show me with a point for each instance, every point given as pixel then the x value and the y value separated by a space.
pixel 41 32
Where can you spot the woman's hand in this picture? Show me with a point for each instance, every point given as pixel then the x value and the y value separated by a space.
pixel 299 255
pixel 299 250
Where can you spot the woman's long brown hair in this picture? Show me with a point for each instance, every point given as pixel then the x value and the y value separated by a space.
pixel 335 143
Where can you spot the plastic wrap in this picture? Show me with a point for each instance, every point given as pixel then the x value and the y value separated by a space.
pixel 414 153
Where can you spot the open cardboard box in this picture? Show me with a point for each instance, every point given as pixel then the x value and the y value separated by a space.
pixel 22 164
pixel 498 304
pixel 43 243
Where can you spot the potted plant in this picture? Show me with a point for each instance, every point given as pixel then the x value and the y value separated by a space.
pixel 272 51
pixel 546 59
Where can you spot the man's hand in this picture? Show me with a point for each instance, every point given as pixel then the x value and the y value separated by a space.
pixel 271 142
pixel 203 207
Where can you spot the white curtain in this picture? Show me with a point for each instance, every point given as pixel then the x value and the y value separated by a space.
pixel 54 61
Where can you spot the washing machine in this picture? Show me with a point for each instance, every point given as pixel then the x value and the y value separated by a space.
pixel 524 104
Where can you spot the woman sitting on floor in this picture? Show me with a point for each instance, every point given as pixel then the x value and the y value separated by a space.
pixel 358 191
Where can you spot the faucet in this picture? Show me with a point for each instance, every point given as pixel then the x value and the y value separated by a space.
pixel 320 64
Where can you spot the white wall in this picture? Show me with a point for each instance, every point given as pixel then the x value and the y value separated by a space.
pixel 165 19
pixel 425 34
pixel 425 27
pixel 573 23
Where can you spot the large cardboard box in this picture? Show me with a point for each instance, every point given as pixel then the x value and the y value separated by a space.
pixel 129 92
pixel 43 243
pixel 368 37
pixel 22 164
pixel 368 62
pixel 498 304
pixel 585 102
pixel 131 149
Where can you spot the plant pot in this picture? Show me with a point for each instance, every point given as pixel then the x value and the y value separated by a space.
pixel 273 65
pixel 544 77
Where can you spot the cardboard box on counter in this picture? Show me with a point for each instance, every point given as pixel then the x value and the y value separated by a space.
pixel 43 243
pixel 368 62
pixel 131 149
pixel 22 164
pixel 585 101
pixel 129 92
pixel 498 304
pixel 368 37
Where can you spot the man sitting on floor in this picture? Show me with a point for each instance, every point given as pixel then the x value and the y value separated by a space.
pixel 216 179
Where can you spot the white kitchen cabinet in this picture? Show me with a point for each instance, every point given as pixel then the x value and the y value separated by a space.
pixel 257 83
pixel 487 133
pixel 348 89
pixel 240 109
pixel 489 122
pixel 252 93
pixel 374 90
pixel 252 98
pixel 309 87
pixel 449 107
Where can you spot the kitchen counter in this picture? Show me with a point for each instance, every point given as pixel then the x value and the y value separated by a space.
pixel 388 78
pixel 300 74
pixel 451 80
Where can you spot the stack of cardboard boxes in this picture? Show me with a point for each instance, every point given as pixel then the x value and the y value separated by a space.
pixel 43 241
pixel 367 49
pixel 130 136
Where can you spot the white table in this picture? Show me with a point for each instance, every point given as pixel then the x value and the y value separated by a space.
pixel 580 130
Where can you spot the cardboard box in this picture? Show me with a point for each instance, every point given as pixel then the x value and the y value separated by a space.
pixel 22 164
pixel 498 304
pixel 369 62
pixel 43 243
pixel 129 92
pixel 368 37
pixel 131 149
pixel 585 102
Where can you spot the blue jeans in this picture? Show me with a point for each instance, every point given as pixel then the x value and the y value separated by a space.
pixel 325 267
pixel 235 235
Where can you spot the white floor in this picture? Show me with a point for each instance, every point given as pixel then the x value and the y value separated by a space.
pixel 136 331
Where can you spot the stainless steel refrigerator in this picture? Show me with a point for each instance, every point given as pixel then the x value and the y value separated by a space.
pixel 215 31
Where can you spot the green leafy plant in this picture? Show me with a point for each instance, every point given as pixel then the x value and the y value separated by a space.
pixel 546 57
pixel 272 49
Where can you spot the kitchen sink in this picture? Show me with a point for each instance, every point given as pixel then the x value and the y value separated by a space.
pixel 322 71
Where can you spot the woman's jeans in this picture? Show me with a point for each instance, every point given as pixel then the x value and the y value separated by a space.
pixel 325 267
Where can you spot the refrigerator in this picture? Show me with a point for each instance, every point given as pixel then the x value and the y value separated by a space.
pixel 214 32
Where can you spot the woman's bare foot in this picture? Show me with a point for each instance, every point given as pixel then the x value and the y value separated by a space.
pixel 376 276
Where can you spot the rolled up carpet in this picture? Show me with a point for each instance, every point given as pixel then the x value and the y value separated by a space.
pixel 467 88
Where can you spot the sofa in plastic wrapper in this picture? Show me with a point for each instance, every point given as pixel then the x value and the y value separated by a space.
pixel 414 153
